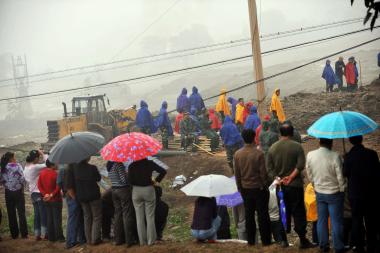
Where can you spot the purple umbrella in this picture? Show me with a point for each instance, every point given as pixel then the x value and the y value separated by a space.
pixel 230 200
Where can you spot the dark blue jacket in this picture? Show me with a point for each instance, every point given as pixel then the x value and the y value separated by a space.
pixel 163 119
pixel 230 133
pixel 196 100
pixel 253 121
pixel 144 117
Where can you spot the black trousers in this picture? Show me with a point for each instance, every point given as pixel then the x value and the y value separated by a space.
pixel 54 220
pixel 364 210
pixel 256 200
pixel 108 214
pixel 161 216
pixel 294 202
pixel 125 215
pixel 15 202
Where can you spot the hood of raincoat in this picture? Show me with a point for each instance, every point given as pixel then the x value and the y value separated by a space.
pixel 164 105
pixel 195 90
pixel 183 103
pixel 230 133
pixel 143 104
pixel 184 91
pixel 211 111
pixel 253 110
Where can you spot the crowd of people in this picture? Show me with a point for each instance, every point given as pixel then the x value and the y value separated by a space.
pixel 266 158
pixel 349 71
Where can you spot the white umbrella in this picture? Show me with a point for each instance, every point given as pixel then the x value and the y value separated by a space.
pixel 210 186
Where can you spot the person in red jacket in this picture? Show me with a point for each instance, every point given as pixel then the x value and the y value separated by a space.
pixel 177 121
pixel 247 110
pixel 350 74
pixel 216 124
pixel 47 185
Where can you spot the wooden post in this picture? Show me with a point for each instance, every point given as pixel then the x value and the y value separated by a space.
pixel 256 51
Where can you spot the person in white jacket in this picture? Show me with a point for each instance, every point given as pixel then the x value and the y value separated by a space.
pixel 324 169
pixel 35 162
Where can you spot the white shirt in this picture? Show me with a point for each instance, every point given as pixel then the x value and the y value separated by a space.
pixel 324 168
pixel 32 173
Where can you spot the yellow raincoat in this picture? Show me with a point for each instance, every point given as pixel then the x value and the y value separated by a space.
pixel 239 116
pixel 311 203
pixel 277 106
pixel 222 105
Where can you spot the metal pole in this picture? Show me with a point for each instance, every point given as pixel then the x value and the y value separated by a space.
pixel 257 61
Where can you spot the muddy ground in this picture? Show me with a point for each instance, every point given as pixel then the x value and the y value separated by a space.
pixel 301 108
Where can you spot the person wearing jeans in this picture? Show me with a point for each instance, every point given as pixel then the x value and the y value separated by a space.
pixel 35 162
pixel 206 222
pixel 324 168
pixel 75 223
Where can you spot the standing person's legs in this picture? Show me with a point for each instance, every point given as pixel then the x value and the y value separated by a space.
pixel 262 197
pixel 72 220
pixel 96 211
pixel 322 225
pixel 150 208
pixel 87 216
pixel 10 203
pixel 371 224
pixel 129 216
pixel 335 207
pixel 20 206
pixel 118 218
pixel 57 218
pixel 250 208
pixel 36 200
pixel 357 223
pixel 239 218
pixel 161 215
pixel 50 221
pixel 138 203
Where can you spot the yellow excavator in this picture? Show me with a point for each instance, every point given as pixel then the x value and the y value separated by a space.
pixel 90 114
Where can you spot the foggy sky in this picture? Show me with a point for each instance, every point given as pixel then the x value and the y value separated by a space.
pixel 58 34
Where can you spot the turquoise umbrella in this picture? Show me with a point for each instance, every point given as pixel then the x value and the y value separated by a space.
pixel 342 124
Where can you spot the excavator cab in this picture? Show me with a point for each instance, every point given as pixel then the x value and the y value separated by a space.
pixel 93 107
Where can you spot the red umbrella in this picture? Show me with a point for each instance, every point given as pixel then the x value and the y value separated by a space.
pixel 130 147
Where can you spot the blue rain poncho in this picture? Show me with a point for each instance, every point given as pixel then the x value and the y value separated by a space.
pixel 328 74
pixel 230 133
pixel 183 102
pixel 233 103
pixel 144 117
pixel 163 120
pixel 196 100
pixel 253 121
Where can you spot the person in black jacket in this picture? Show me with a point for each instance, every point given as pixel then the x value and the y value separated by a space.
pixel 161 213
pixel 362 168
pixel 224 231
pixel 87 193
pixel 206 221
pixel 340 68
pixel 144 197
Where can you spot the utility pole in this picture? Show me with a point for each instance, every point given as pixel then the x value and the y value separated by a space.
pixel 257 62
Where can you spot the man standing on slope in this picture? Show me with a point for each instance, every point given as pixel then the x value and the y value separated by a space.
pixel 276 106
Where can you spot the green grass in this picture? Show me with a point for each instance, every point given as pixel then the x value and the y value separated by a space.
pixel 178 227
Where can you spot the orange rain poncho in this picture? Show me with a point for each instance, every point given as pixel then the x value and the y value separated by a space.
pixel 222 105
pixel 239 116
pixel 277 106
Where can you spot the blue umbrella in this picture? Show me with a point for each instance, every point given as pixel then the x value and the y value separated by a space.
pixel 280 194
pixel 342 124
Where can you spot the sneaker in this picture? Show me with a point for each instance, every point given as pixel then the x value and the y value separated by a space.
pixel 306 244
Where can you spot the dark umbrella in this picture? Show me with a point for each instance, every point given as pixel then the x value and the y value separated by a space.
pixel 76 147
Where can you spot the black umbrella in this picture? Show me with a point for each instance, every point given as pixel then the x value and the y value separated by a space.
pixel 76 147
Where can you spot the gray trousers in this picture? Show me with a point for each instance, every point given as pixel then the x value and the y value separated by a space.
pixel 238 213
pixel 144 201
pixel 92 214
pixel 125 218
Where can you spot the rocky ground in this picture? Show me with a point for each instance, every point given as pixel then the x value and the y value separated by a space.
pixel 302 108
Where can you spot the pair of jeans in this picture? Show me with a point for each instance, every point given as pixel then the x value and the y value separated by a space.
pixel 15 202
pixel 330 205
pixel 295 205
pixel 256 200
pixel 54 220
pixel 92 214
pixel 75 224
pixel 40 227
pixel 144 201
pixel 125 216
pixel 208 234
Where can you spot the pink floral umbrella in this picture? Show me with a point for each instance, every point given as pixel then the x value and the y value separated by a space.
pixel 130 147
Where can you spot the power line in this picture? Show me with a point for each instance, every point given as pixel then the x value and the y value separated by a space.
pixel 263 37
pixel 194 67
pixel 211 50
